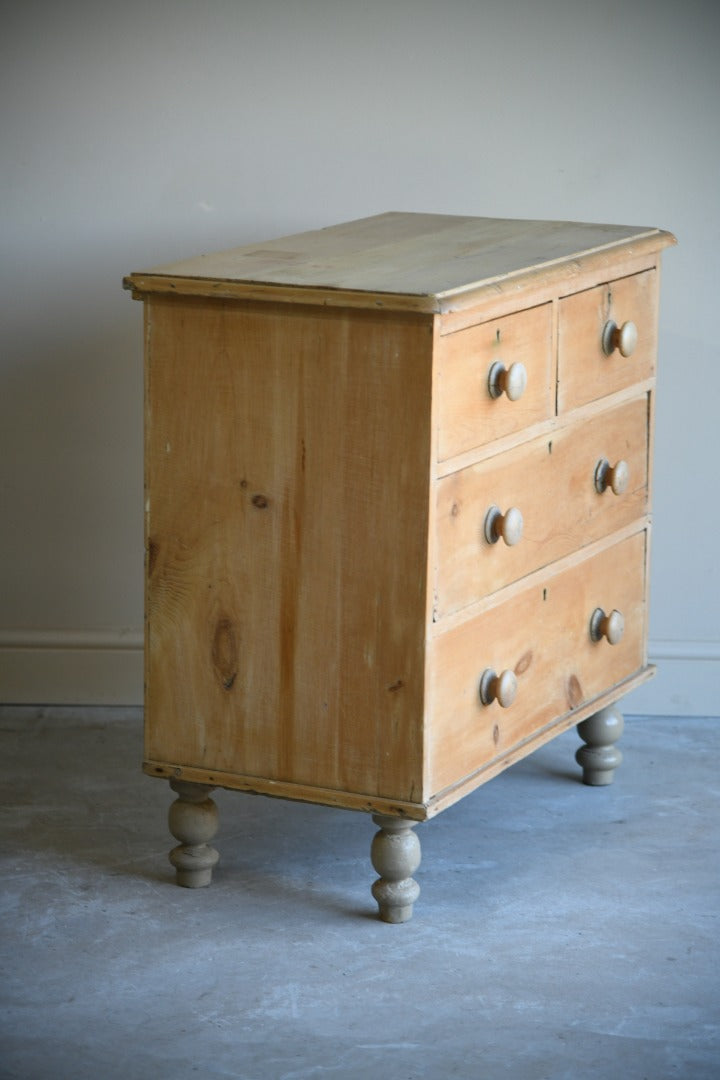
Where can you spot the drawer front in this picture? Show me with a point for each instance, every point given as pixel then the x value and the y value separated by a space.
pixel 542 635
pixel 552 482
pixel 469 415
pixel 585 370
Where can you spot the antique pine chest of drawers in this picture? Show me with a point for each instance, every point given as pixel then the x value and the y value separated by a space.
pixel 397 514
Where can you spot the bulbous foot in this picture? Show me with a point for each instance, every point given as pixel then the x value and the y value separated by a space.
pixel 600 758
pixel 395 854
pixel 193 820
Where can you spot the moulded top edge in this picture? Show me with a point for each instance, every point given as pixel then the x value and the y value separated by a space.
pixel 426 258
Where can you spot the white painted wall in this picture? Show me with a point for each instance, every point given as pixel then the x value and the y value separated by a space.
pixel 135 133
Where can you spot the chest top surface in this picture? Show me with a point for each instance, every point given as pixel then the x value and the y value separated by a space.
pixel 428 259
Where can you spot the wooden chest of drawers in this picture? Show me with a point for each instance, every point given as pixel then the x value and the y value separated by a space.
pixel 397 514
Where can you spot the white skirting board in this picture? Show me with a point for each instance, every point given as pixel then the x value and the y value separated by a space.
pixel 71 667
pixel 105 667
pixel 687 682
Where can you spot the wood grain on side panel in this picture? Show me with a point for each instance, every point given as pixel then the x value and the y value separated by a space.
pixel 287 503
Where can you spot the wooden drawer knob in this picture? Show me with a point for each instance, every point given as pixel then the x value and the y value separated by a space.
pixel 501 688
pixel 616 477
pixel 509 526
pixel 624 338
pixel 511 381
pixel 611 627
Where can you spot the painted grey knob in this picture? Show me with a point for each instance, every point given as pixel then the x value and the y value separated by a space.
pixel 611 627
pixel 501 688
pixel 511 381
pixel 509 526
pixel 616 477
pixel 624 338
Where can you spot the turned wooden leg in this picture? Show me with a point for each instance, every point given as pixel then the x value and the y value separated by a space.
pixel 395 854
pixel 193 820
pixel 600 758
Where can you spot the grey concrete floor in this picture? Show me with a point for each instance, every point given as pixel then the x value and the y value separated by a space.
pixel 562 931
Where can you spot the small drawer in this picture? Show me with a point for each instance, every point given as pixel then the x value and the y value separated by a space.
pixel 542 636
pixel 593 358
pixel 562 487
pixel 474 408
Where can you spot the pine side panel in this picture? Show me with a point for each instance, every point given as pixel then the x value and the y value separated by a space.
pixel 288 464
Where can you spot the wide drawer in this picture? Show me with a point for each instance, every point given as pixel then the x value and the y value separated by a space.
pixel 552 483
pixel 591 360
pixel 542 635
pixel 469 414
